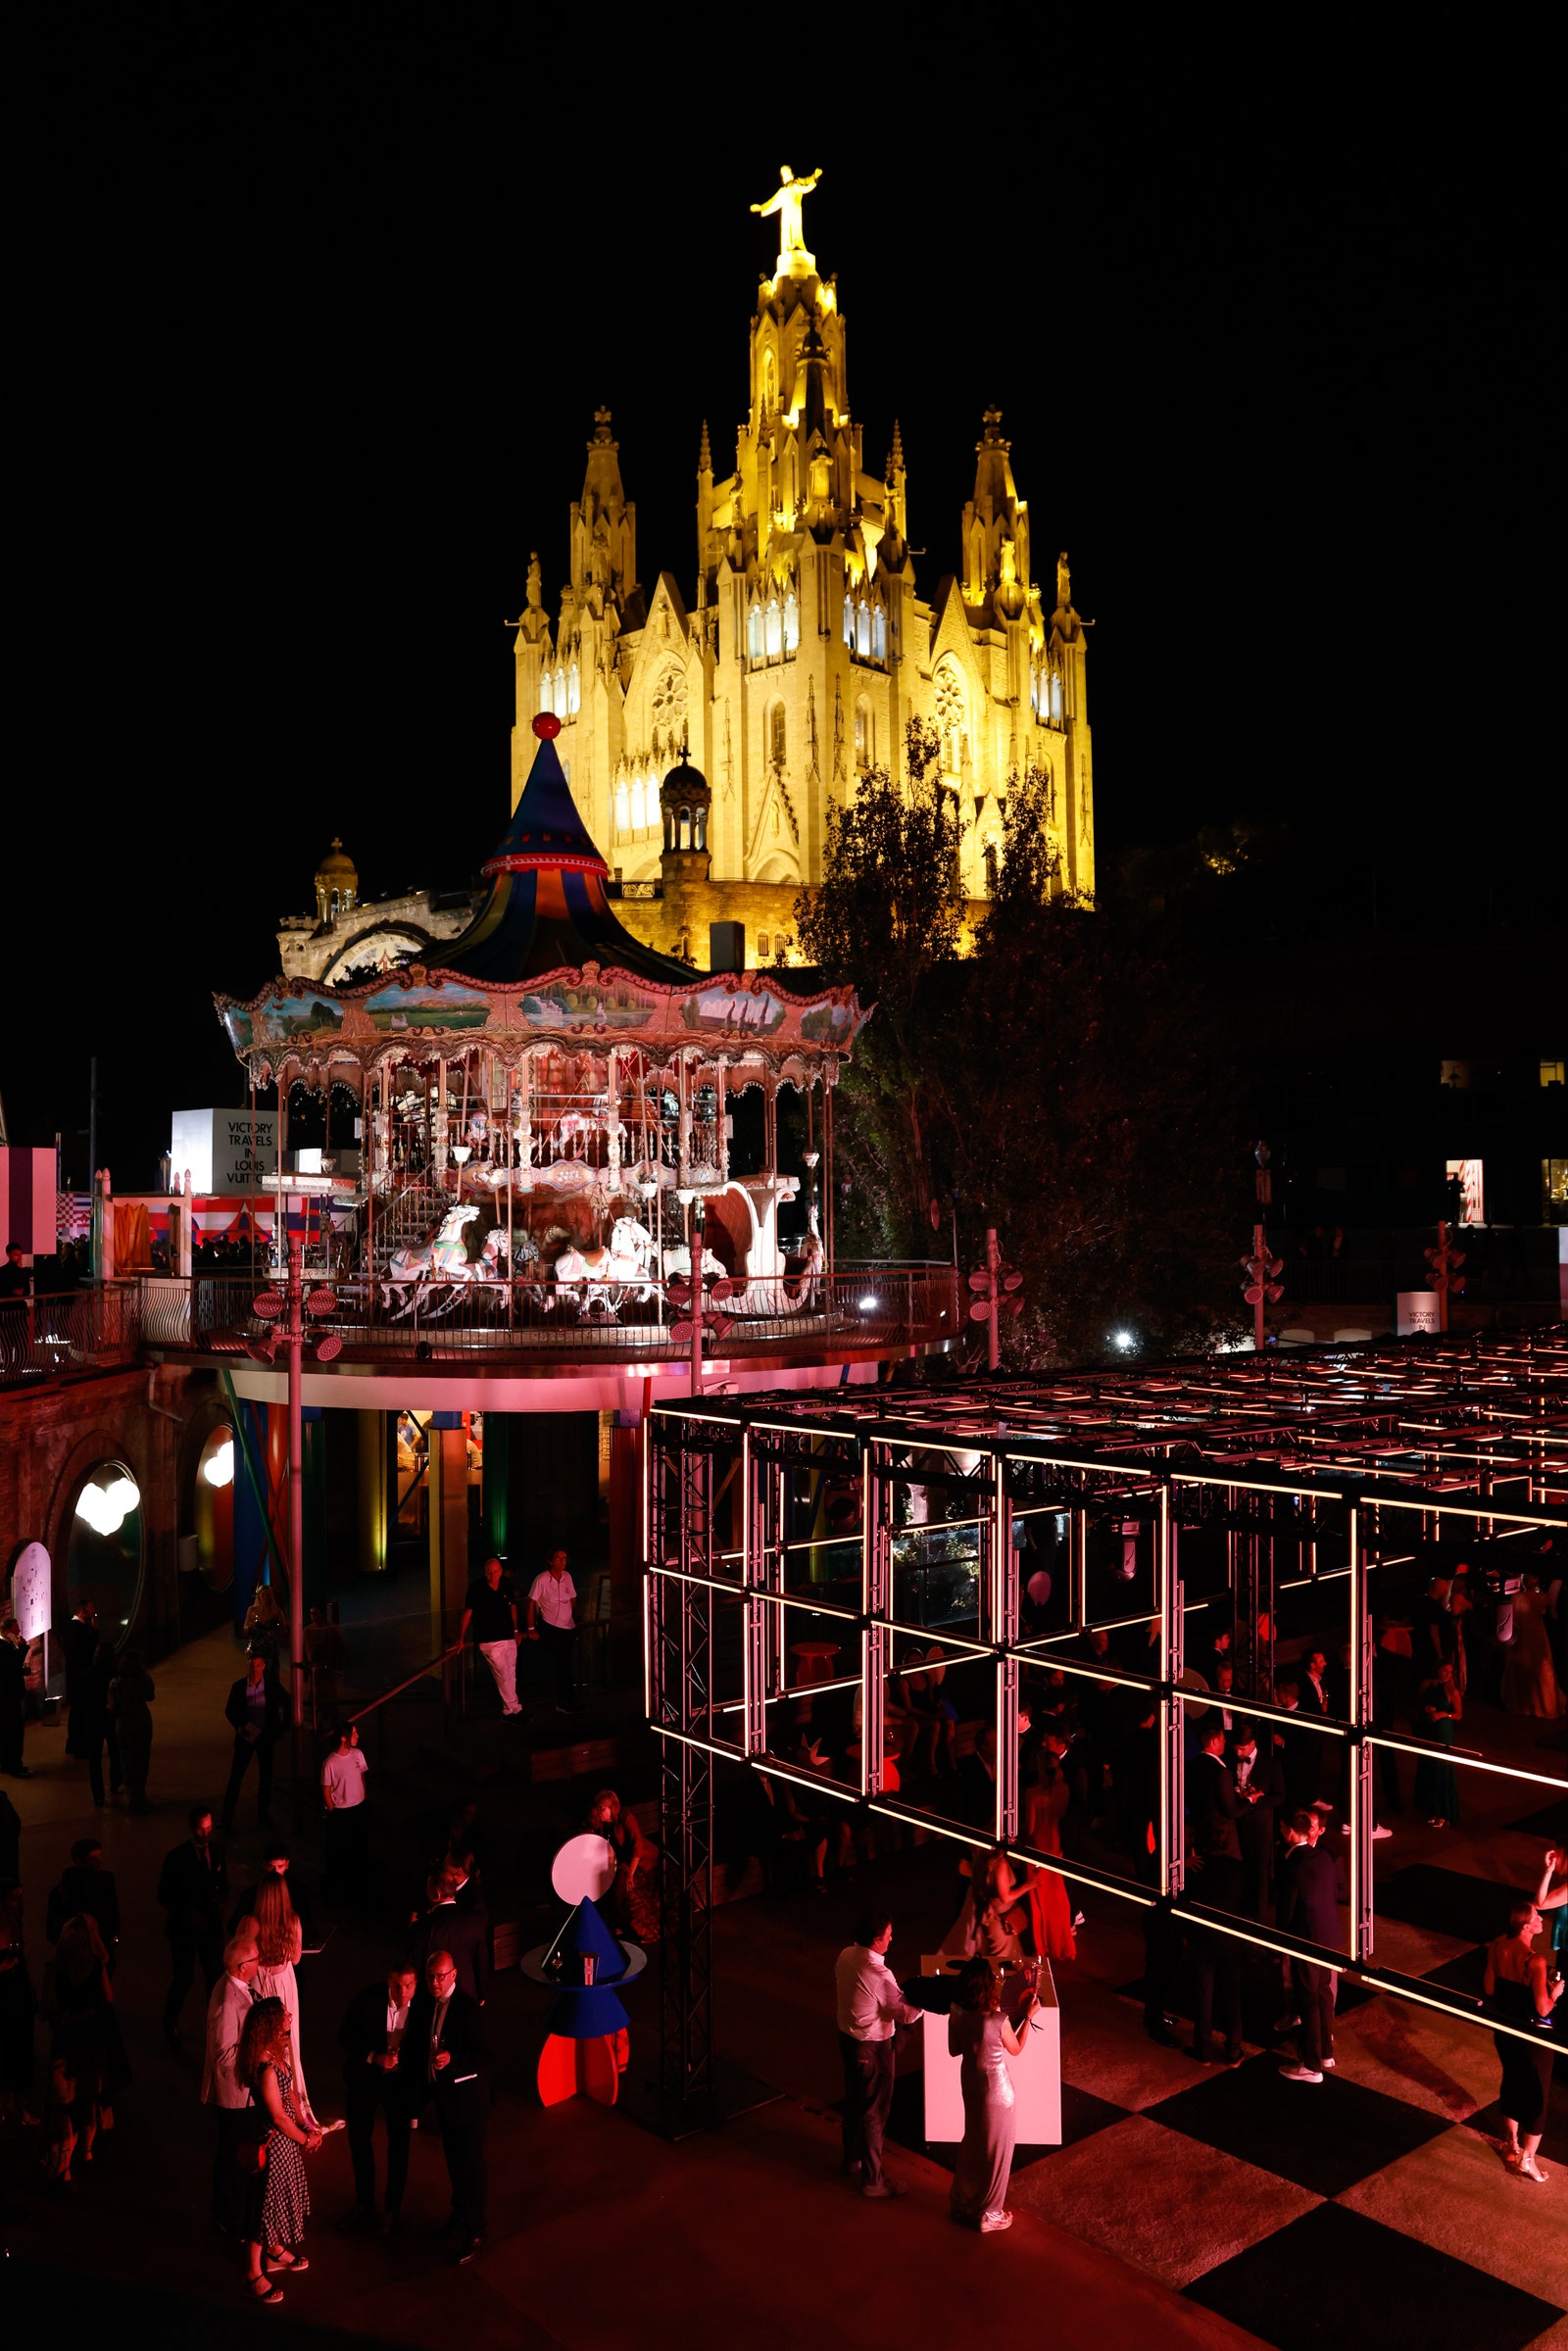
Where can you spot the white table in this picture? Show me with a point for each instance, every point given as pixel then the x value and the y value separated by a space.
pixel 1036 2074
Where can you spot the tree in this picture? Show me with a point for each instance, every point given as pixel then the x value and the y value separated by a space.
pixel 1060 1083
pixel 890 911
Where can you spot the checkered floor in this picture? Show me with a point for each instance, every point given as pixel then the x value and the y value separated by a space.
pixel 1369 2211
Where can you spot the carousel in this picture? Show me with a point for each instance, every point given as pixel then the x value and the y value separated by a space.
pixel 545 1123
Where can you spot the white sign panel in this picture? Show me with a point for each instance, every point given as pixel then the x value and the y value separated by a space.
pixel 32 1593
pixel 214 1149
pixel 1415 1310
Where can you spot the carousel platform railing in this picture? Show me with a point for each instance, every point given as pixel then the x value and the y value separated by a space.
pixel 435 1318
pixel 78 1330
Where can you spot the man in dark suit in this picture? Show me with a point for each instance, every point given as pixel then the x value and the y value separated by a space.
pixel 371 2037
pixel 1217 1881
pixel 79 1640
pixel 1309 1907
pixel 445 2057
pixel 460 1929
pixel 192 1886
pixel 13 1699
pixel 1259 1780
pixel 259 1711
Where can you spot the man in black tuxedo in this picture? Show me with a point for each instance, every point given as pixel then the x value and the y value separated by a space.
pixel 259 1710
pixel 371 2037
pixel 192 1888
pixel 1217 1881
pixel 445 2057
pixel 1260 1778
pixel 1309 1907
pixel 460 1929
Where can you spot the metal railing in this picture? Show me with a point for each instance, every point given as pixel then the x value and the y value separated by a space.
pixel 600 1319
pixel 78 1330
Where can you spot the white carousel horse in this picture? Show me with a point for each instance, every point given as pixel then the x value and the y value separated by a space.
pixel 606 1274
pixel 441 1261
pixel 678 1264
pixel 632 1243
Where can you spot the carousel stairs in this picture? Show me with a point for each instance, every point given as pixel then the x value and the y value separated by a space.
pixel 408 1220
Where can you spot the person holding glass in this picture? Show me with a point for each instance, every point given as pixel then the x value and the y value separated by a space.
pixel 982 2038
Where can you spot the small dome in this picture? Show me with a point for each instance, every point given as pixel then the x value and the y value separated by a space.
pixel 337 865
pixel 685 784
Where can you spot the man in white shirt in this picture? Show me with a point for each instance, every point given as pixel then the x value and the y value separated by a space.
pixel 552 1619
pixel 343 1778
pixel 232 1997
pixel 870 2006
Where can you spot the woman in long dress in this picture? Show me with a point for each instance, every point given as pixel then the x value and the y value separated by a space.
pixel 280 2203
pixel 1050 1906
pixel 78 2001
pixel 1439 1708
pixel 280 1940
pixel 1529 1678
pixel 984 1926
pixel 1521 1992
pixel 981 2037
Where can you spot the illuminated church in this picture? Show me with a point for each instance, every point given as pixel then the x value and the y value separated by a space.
pixel 794 668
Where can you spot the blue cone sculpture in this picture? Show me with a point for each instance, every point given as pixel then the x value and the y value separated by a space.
pixel 583 2011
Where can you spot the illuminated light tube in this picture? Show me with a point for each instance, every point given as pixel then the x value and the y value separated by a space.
pixel 1475 1763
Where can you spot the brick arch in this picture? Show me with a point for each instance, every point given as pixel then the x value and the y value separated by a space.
pixel 106 1442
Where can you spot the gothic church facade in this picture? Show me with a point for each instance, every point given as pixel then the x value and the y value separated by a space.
pixel 805 653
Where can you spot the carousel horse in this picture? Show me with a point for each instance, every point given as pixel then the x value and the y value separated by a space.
pixel 634 1243
pixel 606 1274
pixel 678 1264
pixel 439 1262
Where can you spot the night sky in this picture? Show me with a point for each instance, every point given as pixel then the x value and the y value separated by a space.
pixel 310 338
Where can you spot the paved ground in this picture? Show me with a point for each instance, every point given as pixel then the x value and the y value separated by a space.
pixel 1185 2207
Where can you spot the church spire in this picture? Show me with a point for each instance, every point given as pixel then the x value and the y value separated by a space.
pixel 705 455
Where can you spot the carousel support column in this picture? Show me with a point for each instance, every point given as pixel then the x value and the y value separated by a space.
pixel 449 1524
pixel 612 1149
pixel 441 1124
pixel 373 1481
pixel 721 1074
pixel 497 1472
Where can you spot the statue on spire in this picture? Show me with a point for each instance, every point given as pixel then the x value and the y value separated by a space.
pixel 786 200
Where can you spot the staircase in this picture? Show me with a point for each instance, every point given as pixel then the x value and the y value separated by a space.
pixel 408 1220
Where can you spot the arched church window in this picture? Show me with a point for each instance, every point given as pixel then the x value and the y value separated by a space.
pixel 560 693
pixel 792 624
pixel 683 831
pixel 775 734
pixel 993 869
pixel 754 633
pixel 864 735
pixel 622 810
pixel 767 380
pixel 763 945
pixel 880 635
pixel 574 689
pixel 863 630
pixel 775 640
pixel 547 699
pixel 1055 698
pixel 635 816
pixel 700 829
pixel 848 623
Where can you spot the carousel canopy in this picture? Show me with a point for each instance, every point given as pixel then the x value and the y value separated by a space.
pixel 547 906
pixel 545 960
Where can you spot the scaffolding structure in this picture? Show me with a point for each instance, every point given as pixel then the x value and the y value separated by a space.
pixel 831 1535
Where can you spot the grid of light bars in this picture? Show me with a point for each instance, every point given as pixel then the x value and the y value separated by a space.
pixel 782 1530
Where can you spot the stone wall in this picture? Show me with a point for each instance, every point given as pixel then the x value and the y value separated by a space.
pixel 153 1421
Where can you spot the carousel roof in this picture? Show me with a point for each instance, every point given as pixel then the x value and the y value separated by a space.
pixel 548 908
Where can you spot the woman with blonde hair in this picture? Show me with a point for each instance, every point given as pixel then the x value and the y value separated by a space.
pixel 280 1940
pixel 280 2200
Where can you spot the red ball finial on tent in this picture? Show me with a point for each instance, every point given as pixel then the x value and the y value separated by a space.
pixel 547 726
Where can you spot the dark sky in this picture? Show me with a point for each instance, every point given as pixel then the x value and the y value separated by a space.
pixel 311 333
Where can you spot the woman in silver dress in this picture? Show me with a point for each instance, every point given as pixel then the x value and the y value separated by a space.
pixel 981 2037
